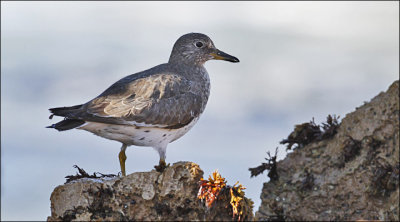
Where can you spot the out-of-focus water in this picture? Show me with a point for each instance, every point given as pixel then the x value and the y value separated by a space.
pixel 298 60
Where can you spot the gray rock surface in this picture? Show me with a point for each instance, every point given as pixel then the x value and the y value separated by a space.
pixel 352 176
pixel 144 196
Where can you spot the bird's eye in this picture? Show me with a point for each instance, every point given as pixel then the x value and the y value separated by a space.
pixel 199 44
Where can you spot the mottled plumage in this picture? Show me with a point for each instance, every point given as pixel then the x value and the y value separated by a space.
pixel 153 107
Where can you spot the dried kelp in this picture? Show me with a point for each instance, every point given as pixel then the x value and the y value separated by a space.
pixel 82 174
pixel 269 165
pixel 306 133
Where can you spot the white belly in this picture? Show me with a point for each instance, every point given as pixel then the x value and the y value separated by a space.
pixel 139 136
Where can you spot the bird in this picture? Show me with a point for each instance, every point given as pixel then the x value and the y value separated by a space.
pixel 151 108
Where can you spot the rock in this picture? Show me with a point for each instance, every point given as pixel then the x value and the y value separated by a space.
pixel 352 176
pixel 149 196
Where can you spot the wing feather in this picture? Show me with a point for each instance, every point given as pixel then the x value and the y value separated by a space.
pixel 163 100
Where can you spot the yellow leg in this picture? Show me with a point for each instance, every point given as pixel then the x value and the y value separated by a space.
pixel 122 159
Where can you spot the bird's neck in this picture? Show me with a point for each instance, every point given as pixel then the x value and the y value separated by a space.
pixel 195 72
pixel 178 59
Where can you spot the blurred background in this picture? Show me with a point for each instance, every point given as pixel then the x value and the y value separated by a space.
pixel 298 60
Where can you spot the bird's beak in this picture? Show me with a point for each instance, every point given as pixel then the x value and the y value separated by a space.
pixel 220 55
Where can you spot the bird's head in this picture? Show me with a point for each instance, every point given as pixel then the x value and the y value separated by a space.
pixel 197 48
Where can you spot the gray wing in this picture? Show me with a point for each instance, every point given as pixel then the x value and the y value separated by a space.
pixel 162 100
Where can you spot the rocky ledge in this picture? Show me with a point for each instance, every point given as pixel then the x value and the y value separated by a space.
pixel 145 196
pixel 352 176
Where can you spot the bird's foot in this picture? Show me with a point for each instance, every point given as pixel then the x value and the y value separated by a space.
pixel 161 166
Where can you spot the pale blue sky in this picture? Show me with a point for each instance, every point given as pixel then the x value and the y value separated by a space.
pixel 298 60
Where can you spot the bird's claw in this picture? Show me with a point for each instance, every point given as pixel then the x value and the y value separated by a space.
pixel 161 166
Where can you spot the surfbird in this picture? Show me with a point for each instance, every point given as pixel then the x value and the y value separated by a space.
pixel 150 108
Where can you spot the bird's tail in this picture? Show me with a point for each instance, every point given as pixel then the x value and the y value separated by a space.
pixel 69 122
pixel 69 111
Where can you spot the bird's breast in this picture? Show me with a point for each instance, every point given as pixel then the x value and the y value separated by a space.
pixel 135 135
